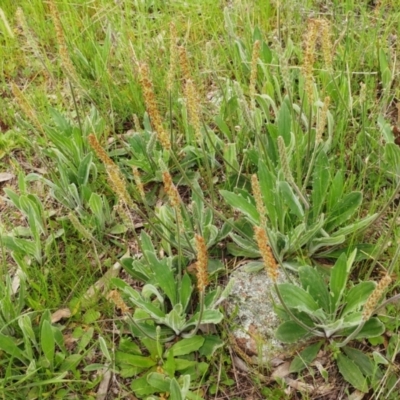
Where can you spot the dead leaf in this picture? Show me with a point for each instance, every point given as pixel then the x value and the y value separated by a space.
pixel 240 364
pixel 69 341
pixel 208 329
pixel 356 395
pixel 282 370
pixel 5 176
pixel 60 314
pixel 276 361
pixel 300 386
pixel 103 387
pixel 29 167
pixel 320 367
pixel 323 390
pixel 16 281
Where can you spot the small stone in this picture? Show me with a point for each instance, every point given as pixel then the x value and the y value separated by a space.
pixel 252 299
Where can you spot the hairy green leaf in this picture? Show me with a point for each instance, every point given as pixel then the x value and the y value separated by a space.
pixel 47 342
pixel 290 332
pixel 314 284
pixel 357 296
pixel 351 373
pixel 339 275
pixel 296 297
pixel 361 359
pixel 343 210
pixel 291 199
pixel 243 205
pixel 159 381
pixel 187 346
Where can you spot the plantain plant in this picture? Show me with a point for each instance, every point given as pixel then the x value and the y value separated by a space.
pixel 167 299
pixel 302 222
pixel 195 217
pixel 34 240
pixel 332 311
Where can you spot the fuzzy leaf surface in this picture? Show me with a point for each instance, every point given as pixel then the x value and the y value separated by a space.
pixel 351 373
pixel 296 297
pixel 314 284
pixel 290 332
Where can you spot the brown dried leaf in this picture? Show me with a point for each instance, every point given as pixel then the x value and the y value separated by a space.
pixel 323 390
pixel 276 361
pixel 16 281
pixel 103 387
pixel 357 395
pixel 300 386
pixel 282 371
pixel 69 341
pixel 240 364
pixel 5 176
pixel 60 314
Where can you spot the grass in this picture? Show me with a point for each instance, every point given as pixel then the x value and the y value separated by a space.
pixel 75 210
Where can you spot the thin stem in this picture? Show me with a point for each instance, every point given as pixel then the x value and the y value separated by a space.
pixel 386 302
pixel 209 173
pixel 75 106
pixel 178 228
pixel 167 339
pixel 300 194
pixel 309 135
pixel 352 335
pixel 310 167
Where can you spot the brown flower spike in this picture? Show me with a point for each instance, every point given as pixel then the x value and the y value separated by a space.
pixel 375 296
pixel 116 298
pixel 62 44
pixel 201 264
pixel 183 59
pixel 138 181
pixel 309 58
pixel 151 106
pixel 255 186
pixel 269 260
pixel 253 74
pixel 25 106
pixel 115 177
pixel 193 108
pixel 326 42
pixel 173 196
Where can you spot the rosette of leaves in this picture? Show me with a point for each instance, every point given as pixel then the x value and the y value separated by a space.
pixel 157 369
pixel 167 299
pixel 295 228
pixel 145 154
pixel 196 216
pixel 333 312
pixel 74 165
pixel 34 240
